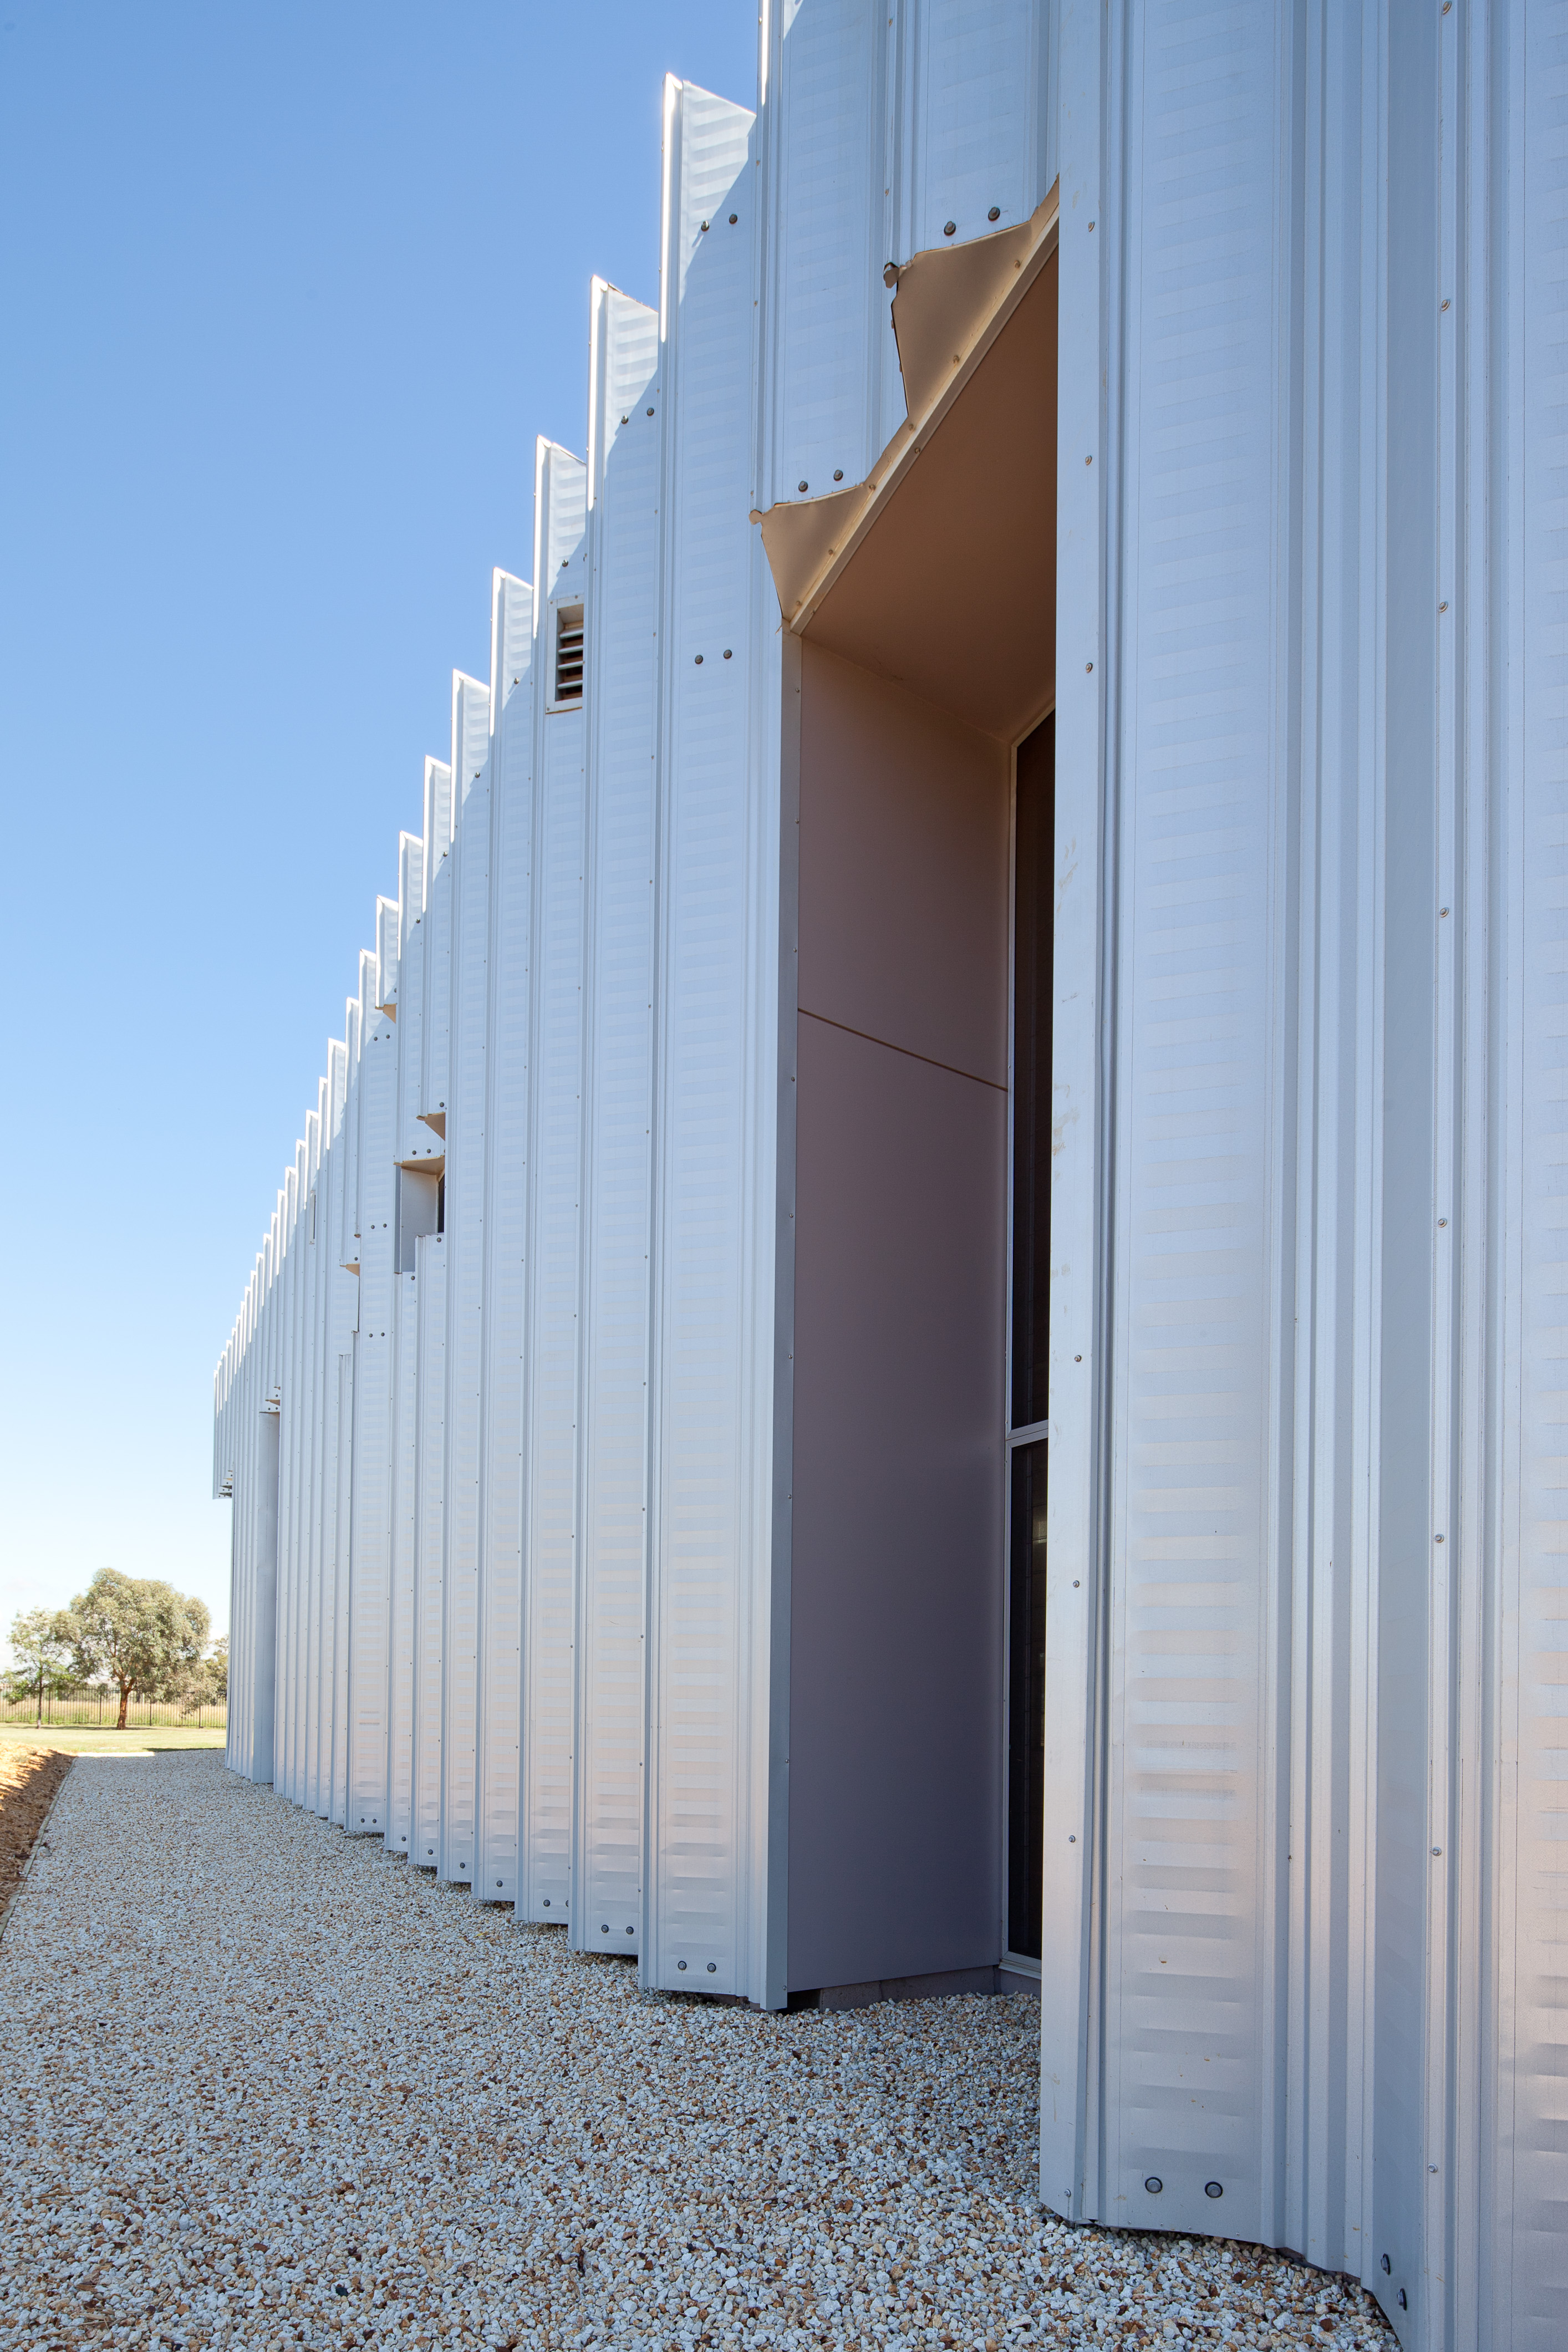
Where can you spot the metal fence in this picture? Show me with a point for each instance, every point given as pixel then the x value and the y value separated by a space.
pixel 98 1710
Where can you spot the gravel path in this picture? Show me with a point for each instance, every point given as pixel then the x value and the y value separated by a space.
pixel 263 2085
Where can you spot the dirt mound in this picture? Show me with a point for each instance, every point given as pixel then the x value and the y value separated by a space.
pixel 28 1780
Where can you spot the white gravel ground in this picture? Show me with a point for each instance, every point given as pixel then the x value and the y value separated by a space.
pixel 263 2085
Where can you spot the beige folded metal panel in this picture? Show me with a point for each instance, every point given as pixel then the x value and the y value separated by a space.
pixel 621 697
pixel 507 1157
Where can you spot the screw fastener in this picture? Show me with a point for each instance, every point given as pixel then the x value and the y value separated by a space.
pixel 995 213
pixel 950 229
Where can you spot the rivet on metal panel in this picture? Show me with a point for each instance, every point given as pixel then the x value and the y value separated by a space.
pixel 1442 1221
pixel 712 1968
pixel 1089 665
pixel 802 486
pixel 1386 2264
pixel 1153 2184
pixel 650 412
pixel 729 653
pixel 1213 2189
pixel 604 1927
pixel 1089 461
pixel 681 1965
pixel 995 213
pixel 950 229
pixel 838 473
pixel 1442 607
pixel 1092 225
pixel 733 218
pixel 1403 2300
pixel 1072 1841
pixel 1436 1538
pixel 1437 1850
pixel 697 658
pixel 1441 910
pixel 1445 305
pixel 1078 1359
pixel 704 228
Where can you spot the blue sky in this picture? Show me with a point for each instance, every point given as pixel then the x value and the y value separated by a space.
pixel 286 292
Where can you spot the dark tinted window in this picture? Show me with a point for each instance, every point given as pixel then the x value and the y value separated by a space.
pixel 1034 871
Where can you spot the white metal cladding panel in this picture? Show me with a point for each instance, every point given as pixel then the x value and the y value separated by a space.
pixel 305 1480
pixel 435 1034
pixel 430 1271
pixel 416 1141
pixel 293 1459
pixel 317 1135
pixel 280 1382
pixel 1071 2019
pixel 371 1553
pixel 410 886
pixel 976 118
pixel 712 1828
pixel 836 395
pixel 505 1216
pixel 1200 1396
pixel 318 1296
pixel 435 1043
pixel 560 512
pixel 401 1634
pixel 386 929
pixel 320 1795
pixel 464 1207
pixel 337 1338
pixel 621 689
pixel 338 1800
pixel 355 1033
pixel 1531 2250
pixel 550 1359
pixel 437 834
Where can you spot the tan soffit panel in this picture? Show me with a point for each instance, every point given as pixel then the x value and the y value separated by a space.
pixel 949 589
pixel 950 307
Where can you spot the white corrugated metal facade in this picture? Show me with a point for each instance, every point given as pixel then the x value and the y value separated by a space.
pixel 507 1411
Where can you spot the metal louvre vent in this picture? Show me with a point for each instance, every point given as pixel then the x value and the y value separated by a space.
pixel 569 654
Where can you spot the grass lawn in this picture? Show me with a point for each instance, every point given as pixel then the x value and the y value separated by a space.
pixel 139 1742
